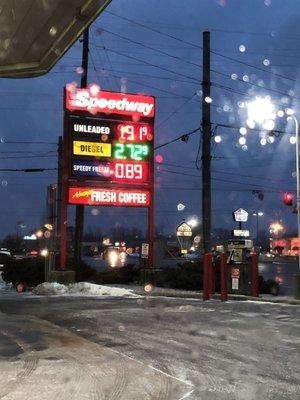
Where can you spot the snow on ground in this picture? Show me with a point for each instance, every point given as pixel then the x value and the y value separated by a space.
pixel 54 288
pixel 4 285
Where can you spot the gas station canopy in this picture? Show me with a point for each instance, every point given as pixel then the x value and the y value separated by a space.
pixel 35 34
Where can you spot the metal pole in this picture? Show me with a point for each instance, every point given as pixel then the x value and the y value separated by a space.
pixel 257 228
pixel 206 146
pixel 79 217
pixel 298 184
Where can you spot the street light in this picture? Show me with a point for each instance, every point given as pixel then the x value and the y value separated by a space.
pixel 262 111
pixel 257 214
pixel 192 222
pixel 275 228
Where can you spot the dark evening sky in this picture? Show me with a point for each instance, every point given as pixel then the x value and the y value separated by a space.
pixel 154 47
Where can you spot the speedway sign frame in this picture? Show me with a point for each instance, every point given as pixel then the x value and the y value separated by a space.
pixel 108 152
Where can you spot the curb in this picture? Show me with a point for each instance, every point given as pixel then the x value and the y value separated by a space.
pixel 233 297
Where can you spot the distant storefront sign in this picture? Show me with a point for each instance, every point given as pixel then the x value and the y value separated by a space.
pixel 240 215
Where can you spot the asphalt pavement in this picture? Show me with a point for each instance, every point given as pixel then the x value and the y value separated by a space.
pixel 65 347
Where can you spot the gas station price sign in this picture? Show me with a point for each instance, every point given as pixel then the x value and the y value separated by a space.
pixel 107 157
pixel 110 150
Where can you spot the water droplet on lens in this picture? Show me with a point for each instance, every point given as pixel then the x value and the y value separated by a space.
pixel 53 31
pixel 4 183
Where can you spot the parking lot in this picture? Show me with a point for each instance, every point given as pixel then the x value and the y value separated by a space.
pixel 150 348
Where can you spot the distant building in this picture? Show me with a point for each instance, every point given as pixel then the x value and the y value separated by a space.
pixel 285 246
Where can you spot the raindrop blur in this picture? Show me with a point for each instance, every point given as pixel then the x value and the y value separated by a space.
pixel 243 131
pixel 159 158
pixel 219 109
pixel 53 31
pixel 261 83
pixel 124 79
pixel 218 139
pixel 234 77
pixel 266 62
pixel 280 113
pixel 148 288
pixel 199 92
pixel 269 125
pixel 291 93
pixel 241 104
pixel 242 48
pixel 95 211
pixel 246 78
pixel 208 99
pixel 245 147
pixel 123 88
pixel 271 139
pixel 79 70
pixel 251 123
pixel 226 108
pixel 268 2
pixel 94 89
pixel 2 140
pixel 4 183
pixel 284 100
pixel 180 207
pixel 293 139
pixel 294 174
pixel 121 328
pixel 263 141
pixel 242 141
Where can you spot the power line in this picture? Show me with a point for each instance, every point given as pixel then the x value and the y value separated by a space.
pixel 148 63
pixel 253 66
pixel 152 29
pixel 181 137
pixel 27 169
pixel 178 109
pixel 153 49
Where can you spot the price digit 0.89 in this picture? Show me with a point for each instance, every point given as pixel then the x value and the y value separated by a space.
pixel 128 171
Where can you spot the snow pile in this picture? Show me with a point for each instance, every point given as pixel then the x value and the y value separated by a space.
pixel 50 288
pixel 99 290
pixel 84 288
pixel 4 285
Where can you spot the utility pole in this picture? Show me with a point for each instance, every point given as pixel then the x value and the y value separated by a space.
pixel 59 185
pixel 79 217
pixel 206 146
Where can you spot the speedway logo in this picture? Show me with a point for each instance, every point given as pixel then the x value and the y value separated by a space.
pixel 109 102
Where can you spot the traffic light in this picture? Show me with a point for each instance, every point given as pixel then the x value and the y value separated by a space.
pixel 288 198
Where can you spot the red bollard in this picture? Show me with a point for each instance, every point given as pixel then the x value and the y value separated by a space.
pixel 207 267
pixel 254 275
pixel 223 270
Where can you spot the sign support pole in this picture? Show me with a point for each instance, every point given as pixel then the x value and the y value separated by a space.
pixel 63 207
pixel 79 217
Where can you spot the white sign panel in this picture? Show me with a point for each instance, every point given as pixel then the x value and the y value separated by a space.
pixel 145 250
pixel 184 230
pixel 240 215
pixel 235 283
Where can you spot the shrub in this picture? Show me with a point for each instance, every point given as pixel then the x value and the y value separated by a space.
pixel 83 272
pixel 30 271
pixel 130 273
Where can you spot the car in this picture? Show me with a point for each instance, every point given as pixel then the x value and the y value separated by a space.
pixel 5 256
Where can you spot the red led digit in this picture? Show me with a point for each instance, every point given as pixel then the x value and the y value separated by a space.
pixel 130 172
pixel 127 132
